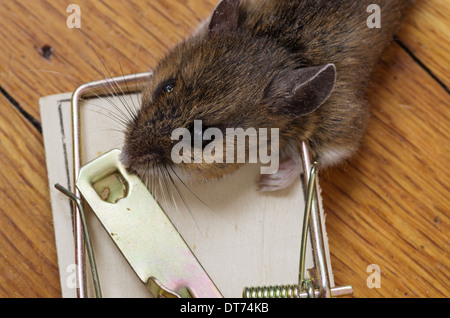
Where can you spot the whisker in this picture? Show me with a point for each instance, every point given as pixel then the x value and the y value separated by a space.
pixel 112 89
pixel 189 189
pixel 164 176
pixel 106 111
pixel 128 108
pixel 209 208
pixel 187 205
pixel 132 111
pixel 161 188
pixel 72 78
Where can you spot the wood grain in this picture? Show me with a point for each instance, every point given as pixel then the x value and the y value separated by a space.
pixel 28 261
pixel 425 32
pixel 129 37
pixel 389 206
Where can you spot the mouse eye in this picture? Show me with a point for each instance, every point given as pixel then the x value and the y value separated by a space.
pixel 165 87
pixel 168 88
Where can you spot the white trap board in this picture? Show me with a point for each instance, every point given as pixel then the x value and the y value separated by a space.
pixel 240 236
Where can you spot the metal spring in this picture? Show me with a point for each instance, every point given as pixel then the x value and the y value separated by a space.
pixel 287 291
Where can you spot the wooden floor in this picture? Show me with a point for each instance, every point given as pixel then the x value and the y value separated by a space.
pixel 389 206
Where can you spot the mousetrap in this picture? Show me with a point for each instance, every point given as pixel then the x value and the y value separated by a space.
pixel 224 239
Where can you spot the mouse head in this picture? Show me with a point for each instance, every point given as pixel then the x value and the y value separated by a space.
pixel 224 78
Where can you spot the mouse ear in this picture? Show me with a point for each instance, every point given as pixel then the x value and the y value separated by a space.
pixel 225 17
pixel 302 91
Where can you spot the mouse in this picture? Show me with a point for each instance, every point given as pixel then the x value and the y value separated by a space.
pixel 300 66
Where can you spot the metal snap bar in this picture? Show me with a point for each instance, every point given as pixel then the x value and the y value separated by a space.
pixel 142 231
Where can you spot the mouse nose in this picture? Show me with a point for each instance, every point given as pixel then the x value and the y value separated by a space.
pixel 125 159
pixel 133 158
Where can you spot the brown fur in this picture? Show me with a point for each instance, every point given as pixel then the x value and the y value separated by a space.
pixel 221 76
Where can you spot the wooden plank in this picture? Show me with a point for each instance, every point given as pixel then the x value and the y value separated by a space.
pixel 425 32
pixel 389 206
pixel 27 257
pixel 129 36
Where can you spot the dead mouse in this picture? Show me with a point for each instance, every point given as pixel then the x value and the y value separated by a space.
pixel 302 66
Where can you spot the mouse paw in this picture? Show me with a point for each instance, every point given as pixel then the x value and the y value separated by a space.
pixel 288 172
